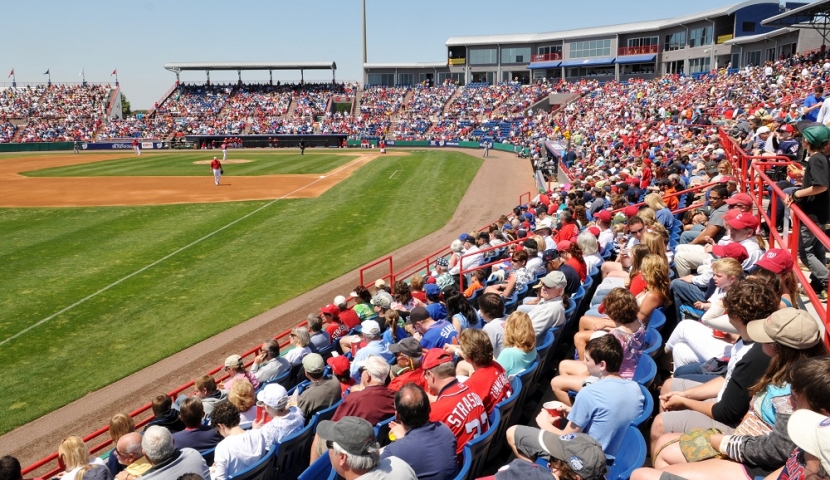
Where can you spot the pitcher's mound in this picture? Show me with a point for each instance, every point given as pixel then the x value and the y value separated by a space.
pixel 228 162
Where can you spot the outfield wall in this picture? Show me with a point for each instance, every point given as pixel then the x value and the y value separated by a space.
pixel 35 147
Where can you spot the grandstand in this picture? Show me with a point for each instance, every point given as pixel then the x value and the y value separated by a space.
pixel 617 128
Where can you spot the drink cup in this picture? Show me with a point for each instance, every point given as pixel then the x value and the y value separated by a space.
pixel 556 410
pixel 719 334
pixel 355 345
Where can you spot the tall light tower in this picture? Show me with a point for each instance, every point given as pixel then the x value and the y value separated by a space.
pixel 364 31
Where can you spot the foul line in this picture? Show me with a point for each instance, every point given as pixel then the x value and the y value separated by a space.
pixel 393 174
pixel 115 283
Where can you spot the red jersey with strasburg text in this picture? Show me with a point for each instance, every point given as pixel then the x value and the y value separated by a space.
pixel 491 384
pixel 462 410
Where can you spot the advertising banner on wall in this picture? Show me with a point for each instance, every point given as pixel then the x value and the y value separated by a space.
pixel 121 146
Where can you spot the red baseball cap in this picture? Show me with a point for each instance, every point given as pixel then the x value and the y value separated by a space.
pixel 742 220
pixel 594 231
pixel 563 245
pixel 776 260
pixel 331 309
pixel 603 215
pixel 786 128
pixel 731 250
pixel 435 357
pixel 739 199
pixel 339 364
pixel 631 211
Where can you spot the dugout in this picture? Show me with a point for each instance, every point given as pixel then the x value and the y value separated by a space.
pixel 265 141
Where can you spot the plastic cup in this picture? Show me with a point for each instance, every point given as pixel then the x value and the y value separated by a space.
pixel 553 408
pixel 719 334
pixel 355 345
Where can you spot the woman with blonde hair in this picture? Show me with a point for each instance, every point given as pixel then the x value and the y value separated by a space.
pixel 120 425
pixel 656 244
pixel 519 347
pixel 648 215
pixel 243 398
pixel 416 287
pixel 300 339
pixel 661 211
pixel 73 454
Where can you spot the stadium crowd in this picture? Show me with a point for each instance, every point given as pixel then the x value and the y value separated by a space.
pixel 602 264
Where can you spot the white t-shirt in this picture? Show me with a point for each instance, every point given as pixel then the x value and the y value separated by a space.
pixel 547 314
pixel 738 352
pixel 236 453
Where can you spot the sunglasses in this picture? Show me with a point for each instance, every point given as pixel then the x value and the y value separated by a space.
pixel 329 444
pixel 635 232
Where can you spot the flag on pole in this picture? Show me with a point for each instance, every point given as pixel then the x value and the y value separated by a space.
pixel 11 74
pixel 82 73
pixel 114 72
pixel 46 72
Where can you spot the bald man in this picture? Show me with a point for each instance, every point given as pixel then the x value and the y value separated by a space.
pixel 128 452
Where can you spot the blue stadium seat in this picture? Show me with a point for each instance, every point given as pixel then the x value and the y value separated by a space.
pixel 480 445
pixel 526 377
pixel 319 470
pixel 646 370
pixel 261 470
pixel 648 407
pixel 382 431
pixel 653 342
pixel 544 350
pixel 631 456
pixel 327 413
pixel 506 408
pixel 466 463
pixel 657 320
pixel 207 455
pixel 294 453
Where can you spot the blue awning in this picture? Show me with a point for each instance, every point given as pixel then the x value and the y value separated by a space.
pixel 588 62
pixel 629 59
pixel 541 65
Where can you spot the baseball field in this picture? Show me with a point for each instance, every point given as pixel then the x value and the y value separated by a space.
pixel 111 262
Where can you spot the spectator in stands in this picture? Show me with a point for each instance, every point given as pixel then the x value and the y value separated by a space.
pixel 426 446
pixel 348 316
pixel 300 339
pixel 587 241
pixel 370 333
pixel 169 462
pixel 129 455
pixel 460 311
pixel 685 404
pixel 491 310
pixel 409 355
pixel 10 468
pixel 341 369
pixel 603 410
pixel 355 452
pixel 776 267
pixel 73 454
pixel 268 364
pixel 416 287
pixel 714 228
pixel 323 391
pixel 120 425
pixel 472 257
pixel 519 350
pixel 455 404
pixel 813 198
pixel 319 338
pixel 549 311
pixel 485 376
pixel 442 277
pixel 431 333
pixel 335 328
pixel 243 398
pixel 195 435
pixel 553 261
pixel 285 419
pixel 165 415
pixel 437 310
pixel 207 390
pixel 235 367
pixel 395 328
pixel 661 211
pixel 239 449
pixel 574 456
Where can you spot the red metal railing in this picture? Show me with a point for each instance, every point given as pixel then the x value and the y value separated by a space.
pixel 462 271
pixel 546 57
pixel 675 194
pixel 522 198
pixel 641 50
pixel 389 277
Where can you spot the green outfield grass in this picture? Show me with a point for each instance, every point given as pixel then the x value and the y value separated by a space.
pixel 181 164
pixel 52 258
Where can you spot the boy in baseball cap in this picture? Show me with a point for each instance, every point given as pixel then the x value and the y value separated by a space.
pixel 810 431
pixel 575 453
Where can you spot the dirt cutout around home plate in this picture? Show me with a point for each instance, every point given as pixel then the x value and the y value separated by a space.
pixel 22 191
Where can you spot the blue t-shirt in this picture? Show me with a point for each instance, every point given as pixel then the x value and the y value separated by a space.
pixel 809 102
pixel 515 360
pixel 605 409
pixel 439 335
pixel 429 450
pixel 437 311
pixel 400 333
pixel 665 218
pixel 465 324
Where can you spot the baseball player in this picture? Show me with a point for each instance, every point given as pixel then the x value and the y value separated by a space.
pixel 216 167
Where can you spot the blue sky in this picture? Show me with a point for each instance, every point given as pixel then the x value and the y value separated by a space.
pixel 140 36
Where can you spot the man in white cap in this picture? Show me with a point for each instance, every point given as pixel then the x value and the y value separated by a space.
pixel 370 331
pixel 285 419
pixel 550 311
pixel 347 316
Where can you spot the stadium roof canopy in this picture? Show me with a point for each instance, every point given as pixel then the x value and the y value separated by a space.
pixel 622 28
pixel 760 36
pixel 236 66
pixel 814 15
pixel 369 66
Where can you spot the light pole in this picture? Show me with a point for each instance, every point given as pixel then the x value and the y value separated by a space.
pixel 364 31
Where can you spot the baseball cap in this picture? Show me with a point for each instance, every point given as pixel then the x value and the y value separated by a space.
pixel 370 327
pixel 581 452
pixel 418 314
pixel 353 434
pixel 743 220
pixel 442 262
pixel 340 300
pixel 739 198
pixel 466 237
pixel 563 245
pixel 809 431
pixel 550 255
pixel 382 299
pixel 631 211
pixel 408 346
pixel 331 309
pixel 761 130
pixel 339 364
pixel 272 395
pixel 432 289
pixel 530 243
pixel 789 327
pixel 544 223
pixel 554 279
pixel 594 231
pixel 435 357
pixel 776 260
pixel 786 128
pixel 731 250
pixel 817 134
pixel 234 361
pixel 313 363
pixel 711 166
pixel 376 366
pixel 523 470
pixel 603 215
pixel 380 283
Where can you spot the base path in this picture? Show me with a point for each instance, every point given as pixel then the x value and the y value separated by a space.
pixel 494 191
pixel 22 191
